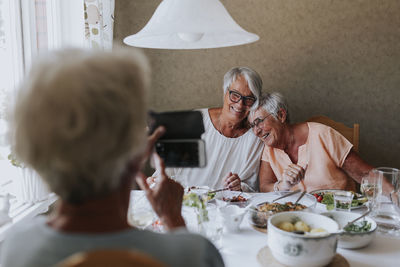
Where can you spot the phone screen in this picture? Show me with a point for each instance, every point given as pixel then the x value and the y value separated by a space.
pixel 179 154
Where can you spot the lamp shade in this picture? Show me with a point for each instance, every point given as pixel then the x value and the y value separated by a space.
pixel 190 24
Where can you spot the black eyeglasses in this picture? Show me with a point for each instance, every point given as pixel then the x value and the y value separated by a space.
pixel 236 97
pixel 257 121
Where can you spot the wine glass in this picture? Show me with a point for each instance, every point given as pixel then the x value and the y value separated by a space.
pixel 371 187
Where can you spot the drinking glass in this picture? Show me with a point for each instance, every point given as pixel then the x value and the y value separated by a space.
pixel 212 228
pixel 388 218
pixel 140 212
pixel 371 187
pixel 387 213
pixel 343 199
pixel 392 175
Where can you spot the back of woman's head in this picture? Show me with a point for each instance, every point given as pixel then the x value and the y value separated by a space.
pixel 80 118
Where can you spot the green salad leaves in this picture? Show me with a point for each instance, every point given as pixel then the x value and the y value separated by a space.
pixel 358 227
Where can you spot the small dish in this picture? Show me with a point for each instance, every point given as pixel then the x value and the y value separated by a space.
pixel 352 240
pixel 238 198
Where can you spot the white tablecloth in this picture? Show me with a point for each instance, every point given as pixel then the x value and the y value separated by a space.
pixel 241 249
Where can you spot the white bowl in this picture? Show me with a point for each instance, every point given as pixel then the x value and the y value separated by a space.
pixel 348 239
pixel 302 250
pixel 260 218
pixel 227 195
pixel 232 217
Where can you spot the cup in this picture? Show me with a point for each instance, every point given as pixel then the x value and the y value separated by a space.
pixel 140 212
pixel 232 217
pixel 342 200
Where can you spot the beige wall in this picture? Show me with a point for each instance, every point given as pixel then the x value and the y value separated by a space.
pixel 339 58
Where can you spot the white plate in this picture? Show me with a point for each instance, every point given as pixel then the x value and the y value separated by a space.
pixel 339 190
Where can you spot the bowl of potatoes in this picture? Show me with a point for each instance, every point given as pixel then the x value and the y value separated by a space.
pixel 301 238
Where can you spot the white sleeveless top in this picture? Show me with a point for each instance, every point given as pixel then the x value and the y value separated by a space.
pixel 239 155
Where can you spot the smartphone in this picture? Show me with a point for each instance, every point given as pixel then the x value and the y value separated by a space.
pixel 182 153
pixel 181 145
pixel 187 124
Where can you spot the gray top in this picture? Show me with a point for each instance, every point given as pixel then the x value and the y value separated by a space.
pixel 36 244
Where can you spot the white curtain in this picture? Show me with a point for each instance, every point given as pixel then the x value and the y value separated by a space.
pixel 99 22
pixel 2 34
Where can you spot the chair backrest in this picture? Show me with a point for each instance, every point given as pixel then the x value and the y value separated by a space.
pixel 110 258
pixel 351 134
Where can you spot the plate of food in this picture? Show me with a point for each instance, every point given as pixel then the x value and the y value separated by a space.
pixel 325 197
pixel 233 198
pixel 264 206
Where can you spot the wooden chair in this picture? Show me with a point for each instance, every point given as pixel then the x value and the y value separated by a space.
pixel 351 134
pixel 110 258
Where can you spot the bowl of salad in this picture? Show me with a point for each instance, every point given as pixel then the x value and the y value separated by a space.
pixel 357 235
pixel 326 197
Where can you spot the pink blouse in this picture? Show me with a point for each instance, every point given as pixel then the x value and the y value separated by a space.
pixel 325 152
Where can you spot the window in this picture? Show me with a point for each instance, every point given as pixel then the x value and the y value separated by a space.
pixel 28 28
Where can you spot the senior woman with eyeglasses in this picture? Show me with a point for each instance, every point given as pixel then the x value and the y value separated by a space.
pixel 232 151
pixel 306 155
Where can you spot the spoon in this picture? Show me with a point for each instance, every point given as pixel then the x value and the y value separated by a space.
pixel 287 195
pixel 300 197
pixel 356 219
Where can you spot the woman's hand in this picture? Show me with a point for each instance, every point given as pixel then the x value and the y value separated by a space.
pixel 151 140
pixel 165 197
pixel 233 182
pixel 292 175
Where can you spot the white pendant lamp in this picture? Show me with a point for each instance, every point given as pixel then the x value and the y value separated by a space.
pixel 190 24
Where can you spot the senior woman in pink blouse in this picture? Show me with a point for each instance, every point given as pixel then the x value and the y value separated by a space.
pixel 306 155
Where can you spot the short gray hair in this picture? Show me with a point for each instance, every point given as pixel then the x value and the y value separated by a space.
pixel 271 103
pixel 251 76
pixel 80 119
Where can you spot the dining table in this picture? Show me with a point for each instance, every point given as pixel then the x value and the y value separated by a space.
pixel 241 248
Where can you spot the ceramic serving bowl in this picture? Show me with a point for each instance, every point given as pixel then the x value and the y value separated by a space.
pixel 352 240
pixel 259 218
pixel 300 250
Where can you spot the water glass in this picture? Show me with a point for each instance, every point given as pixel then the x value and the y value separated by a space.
pixel 387 214
pixel 371 187
pixel 392 175
pixel 140 212
pixel 212 228
pixel 388 219
pixel 342 200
